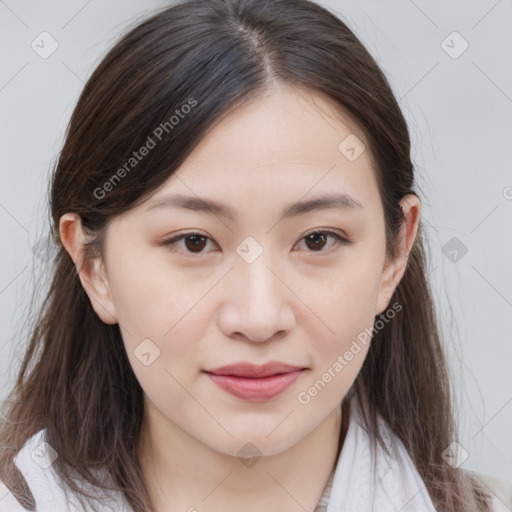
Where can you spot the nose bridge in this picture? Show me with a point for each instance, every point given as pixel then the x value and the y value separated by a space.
pixel 258 301
pixel 259 285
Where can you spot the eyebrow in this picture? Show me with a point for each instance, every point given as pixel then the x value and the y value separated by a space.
pixel 329 201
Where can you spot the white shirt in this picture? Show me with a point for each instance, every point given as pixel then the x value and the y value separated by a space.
pixel 362 481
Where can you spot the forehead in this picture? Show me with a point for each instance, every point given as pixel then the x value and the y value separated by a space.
pixel 285 124
pixel 285 145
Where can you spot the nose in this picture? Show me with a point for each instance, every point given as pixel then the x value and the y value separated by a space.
pixel 257 303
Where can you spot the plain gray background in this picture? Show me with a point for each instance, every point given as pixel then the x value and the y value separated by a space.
pixel 458 104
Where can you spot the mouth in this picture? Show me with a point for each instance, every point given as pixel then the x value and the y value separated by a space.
pixel 255 383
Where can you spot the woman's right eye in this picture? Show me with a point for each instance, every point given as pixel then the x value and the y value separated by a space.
pixel 194 243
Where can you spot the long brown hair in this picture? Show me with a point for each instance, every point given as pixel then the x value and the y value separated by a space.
pixel 75 379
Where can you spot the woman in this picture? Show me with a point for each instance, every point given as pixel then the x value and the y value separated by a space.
pixel 239 316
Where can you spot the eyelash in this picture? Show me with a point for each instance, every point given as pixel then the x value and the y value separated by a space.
pixel 171 244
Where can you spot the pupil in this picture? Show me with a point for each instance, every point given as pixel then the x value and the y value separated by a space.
pixel 314 237
pixel 196 242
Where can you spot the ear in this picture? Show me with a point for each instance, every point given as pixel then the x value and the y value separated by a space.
pixel 394 270
pixel 92 273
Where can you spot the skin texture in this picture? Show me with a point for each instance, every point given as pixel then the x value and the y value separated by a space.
pixel 298 302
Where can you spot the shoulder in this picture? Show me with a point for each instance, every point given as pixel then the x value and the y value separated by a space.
pixel 35 461
pixel 499 489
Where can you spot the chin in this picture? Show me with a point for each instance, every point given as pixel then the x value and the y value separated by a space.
pixel 254 443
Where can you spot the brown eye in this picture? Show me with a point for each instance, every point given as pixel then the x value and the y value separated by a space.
pixel 317 240
pixel 194 243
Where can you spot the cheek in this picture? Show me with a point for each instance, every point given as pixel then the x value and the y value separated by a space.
pixel 345 305
pixel 165 307
pixel 149 297
pixel 339 353
pixel 345 300
pixel 342 351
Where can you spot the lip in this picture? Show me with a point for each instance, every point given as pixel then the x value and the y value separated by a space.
pixel 255 383
pixel 252 371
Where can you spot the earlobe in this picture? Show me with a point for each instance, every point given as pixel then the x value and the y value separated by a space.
pixel 388 285
pixel 97 288
pixel 91 273
pixel 395 269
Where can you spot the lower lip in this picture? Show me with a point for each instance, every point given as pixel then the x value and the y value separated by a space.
pixel 255 390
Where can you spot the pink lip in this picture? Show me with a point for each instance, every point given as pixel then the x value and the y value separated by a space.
pixel 255 383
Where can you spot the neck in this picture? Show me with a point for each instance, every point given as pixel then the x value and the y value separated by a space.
pixel 183 473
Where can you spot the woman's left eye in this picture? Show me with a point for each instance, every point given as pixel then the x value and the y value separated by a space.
pixel 195 242
pixel 317 238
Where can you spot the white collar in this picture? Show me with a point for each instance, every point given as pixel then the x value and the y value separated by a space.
pixel 366 480
pixel 363 480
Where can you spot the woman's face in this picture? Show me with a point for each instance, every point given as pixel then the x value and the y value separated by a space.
pixel 252 285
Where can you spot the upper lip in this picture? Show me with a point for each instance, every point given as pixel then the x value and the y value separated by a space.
pixel 246 369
